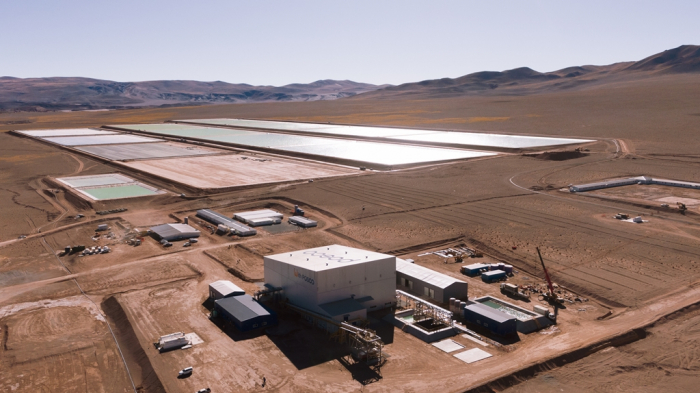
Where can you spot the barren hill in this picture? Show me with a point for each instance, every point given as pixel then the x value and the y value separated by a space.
pixel 525 81
pixel 37 94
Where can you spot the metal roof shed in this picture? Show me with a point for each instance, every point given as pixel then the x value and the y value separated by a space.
pixel 496 321
pixel 219 219
pixel 224 288
pixel 302 221
pixel 171 232
pixel 425 282
pixel 245 313
pixel 250 216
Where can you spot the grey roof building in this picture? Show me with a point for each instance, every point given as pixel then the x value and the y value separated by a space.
pixel 428 283
pixel 245 313
pixel 494 320
pixel 172 232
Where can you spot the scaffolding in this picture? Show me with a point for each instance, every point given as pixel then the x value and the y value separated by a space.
pixel 423 310
pixel 365 345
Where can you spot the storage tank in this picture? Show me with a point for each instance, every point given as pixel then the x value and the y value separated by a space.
pixel 508 269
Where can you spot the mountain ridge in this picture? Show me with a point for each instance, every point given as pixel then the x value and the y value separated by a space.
pixel 526 81
pixel 77 93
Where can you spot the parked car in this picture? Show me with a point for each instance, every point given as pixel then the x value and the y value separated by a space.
pixel 205 390
pixel 185 371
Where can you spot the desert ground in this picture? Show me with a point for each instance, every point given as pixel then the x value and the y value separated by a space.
pixel 70 323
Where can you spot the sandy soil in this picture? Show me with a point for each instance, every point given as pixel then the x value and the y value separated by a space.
pixel 642 273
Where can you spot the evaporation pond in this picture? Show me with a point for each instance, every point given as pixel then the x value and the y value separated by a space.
pixel 510 311
pixel 99 139
pixel 117 192
pixel 97 180
pixel 66 132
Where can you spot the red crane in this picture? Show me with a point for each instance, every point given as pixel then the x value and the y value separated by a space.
pixel 550 297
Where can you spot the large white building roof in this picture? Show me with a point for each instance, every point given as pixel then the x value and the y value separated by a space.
pixel 424 274
pixel 328 257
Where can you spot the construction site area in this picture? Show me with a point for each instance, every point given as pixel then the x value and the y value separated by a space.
pixel 335 247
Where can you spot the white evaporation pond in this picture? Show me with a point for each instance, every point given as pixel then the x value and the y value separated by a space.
pixel 181 130
pixel 407 134
pixel 66 132
pixel 494 140
pixel 329 129
pixel 99 139
pixel 95 180
pixel 386 153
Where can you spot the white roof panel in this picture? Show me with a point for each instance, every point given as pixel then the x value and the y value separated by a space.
pixel 424 274
pixel 328 257
pixel 226 287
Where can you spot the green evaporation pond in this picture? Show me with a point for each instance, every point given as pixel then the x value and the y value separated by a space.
pixel 512 312
pixel 127 191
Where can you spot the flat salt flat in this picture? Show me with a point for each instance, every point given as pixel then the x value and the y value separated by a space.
pixel 235 170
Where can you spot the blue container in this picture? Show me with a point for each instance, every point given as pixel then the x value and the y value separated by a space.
pixel 493 275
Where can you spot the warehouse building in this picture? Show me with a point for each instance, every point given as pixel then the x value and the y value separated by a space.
pixel 219 219
pixel 245 313
pixel 302 221
pixel 489 318
pixel 258 218
pixel 427 283
pixel 224 288
pixel 171 232
pixel 334 281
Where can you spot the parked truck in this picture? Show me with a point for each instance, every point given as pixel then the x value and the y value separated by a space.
pixel 514 290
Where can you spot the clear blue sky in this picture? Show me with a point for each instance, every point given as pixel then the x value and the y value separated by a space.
pixel 281 42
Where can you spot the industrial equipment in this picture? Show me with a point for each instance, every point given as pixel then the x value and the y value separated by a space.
pixel 681 207
pixel 550 296
pixel 621 216
pixel 514 290
pixel 298 211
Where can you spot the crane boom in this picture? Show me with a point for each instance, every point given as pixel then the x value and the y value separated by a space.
pixel 546 275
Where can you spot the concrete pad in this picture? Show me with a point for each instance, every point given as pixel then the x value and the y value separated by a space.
pixel 193 338
pixel 448 345
pixel 473 355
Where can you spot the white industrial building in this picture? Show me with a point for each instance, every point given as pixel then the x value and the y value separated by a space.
pixel 224 288
pixel 258 218
pixel 428 283
pixel 336 281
